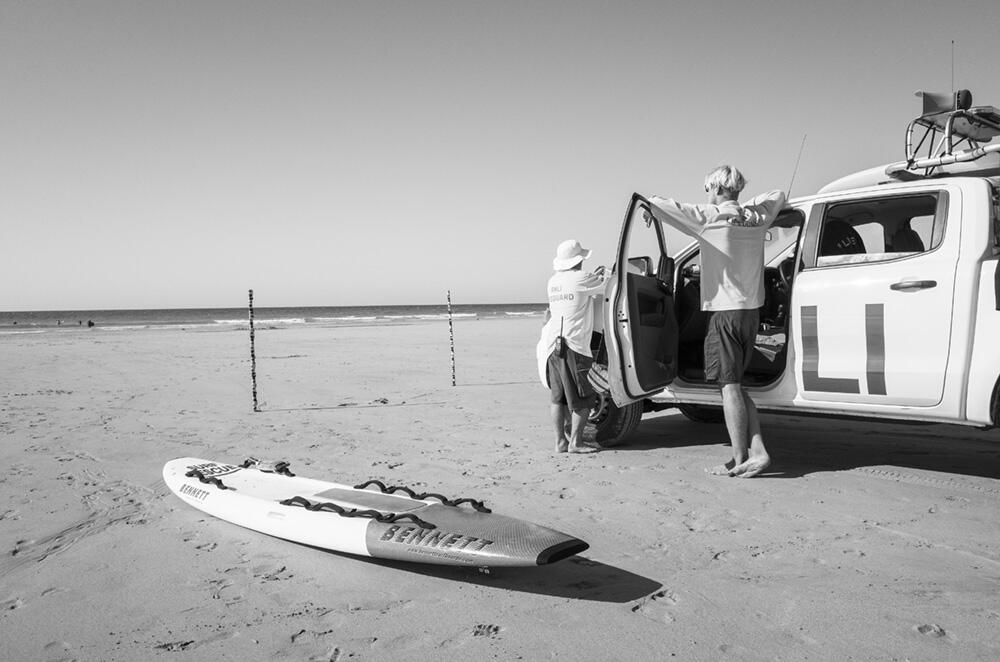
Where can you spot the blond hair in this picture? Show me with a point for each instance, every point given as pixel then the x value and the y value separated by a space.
pixel 725 179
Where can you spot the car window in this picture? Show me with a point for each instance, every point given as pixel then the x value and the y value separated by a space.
pixel 780 240
pixel 880 229
pixel 644 244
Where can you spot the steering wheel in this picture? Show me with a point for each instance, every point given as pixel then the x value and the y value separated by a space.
pixel 786 269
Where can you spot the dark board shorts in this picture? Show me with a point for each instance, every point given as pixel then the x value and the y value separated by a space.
pixel 729 345
pixel 568 384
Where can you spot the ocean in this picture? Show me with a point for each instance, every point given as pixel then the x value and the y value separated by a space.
pixel 237 318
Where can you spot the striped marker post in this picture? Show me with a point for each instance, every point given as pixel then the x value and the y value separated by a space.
pixel 451 333
pixel 253 358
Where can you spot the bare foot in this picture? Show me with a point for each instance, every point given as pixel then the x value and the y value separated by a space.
pixel 582 448
pixel 723 469
pixel 752 467
pixel 561 446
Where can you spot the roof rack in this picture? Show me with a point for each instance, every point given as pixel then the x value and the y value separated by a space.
pixel 949 122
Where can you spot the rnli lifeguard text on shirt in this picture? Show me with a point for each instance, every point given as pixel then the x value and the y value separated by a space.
pixel 556 294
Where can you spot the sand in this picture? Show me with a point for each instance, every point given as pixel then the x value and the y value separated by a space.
pixel 863 542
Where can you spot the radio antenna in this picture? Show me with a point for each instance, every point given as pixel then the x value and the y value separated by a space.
pixel 952 66
pixel 796 169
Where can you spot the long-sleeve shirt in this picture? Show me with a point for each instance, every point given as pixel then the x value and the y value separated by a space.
pixel 731 237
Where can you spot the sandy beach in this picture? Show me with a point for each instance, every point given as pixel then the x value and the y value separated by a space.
pixel 867 542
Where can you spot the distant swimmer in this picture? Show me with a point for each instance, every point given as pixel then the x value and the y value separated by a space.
pixel 90 323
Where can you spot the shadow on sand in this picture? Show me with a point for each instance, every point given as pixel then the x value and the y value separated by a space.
pixel 802 445
pixel 349 405
pixel 577 578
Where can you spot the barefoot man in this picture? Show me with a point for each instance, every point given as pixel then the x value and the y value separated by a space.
pixel 563 351
pixel 731 237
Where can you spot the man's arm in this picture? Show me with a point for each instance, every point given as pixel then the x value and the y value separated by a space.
pixel 689 219
pixel 764 208
pixel 593 284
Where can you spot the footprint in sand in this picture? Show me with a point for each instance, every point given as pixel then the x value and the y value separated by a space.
pixel 656 607
pixel 305 641
pixel 567 493
pixel 57 651
pixel 932 630
pixel 479 631
pixel 486 630
pixel 271 573
pixel 12 604
pixel 54 590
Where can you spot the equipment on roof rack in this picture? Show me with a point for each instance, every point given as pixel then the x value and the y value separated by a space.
pixel 950 123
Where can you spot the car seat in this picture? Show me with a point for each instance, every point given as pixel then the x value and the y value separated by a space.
pixel 906 240
pixel 839 238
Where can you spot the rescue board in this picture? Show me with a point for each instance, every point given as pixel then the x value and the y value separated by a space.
pixel 370 519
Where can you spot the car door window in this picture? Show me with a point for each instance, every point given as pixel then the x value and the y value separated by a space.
pixel 880 229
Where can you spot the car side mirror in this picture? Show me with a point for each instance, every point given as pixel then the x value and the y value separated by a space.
pixel 640 265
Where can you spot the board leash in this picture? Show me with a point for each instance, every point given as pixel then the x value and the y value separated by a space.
pixel 282 467
pixel 476 504
pixel 208 480
pixel 385 518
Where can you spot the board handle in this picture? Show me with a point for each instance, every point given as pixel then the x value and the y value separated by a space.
pixel 475 503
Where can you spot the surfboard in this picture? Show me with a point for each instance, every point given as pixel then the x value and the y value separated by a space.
pixel 370 519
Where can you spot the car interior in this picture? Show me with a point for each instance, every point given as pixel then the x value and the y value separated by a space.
pixel 880 229
pixel 770 350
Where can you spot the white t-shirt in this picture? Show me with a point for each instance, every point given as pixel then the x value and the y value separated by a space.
pixel 572 297
pixel 731 237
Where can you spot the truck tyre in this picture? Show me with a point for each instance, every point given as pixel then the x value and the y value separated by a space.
pixel 702 413
pixel 995 405
pixel 610 425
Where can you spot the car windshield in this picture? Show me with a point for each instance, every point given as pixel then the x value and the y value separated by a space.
pixel 780 243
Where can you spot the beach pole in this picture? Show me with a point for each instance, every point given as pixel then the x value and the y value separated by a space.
pixel 253 358
pixel 451 333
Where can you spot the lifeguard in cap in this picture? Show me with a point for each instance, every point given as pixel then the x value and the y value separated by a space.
pixel 563 351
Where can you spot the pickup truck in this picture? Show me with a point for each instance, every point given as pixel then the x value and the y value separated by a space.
pixel 883 296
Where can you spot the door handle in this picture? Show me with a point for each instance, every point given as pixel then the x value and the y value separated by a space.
pixel 913 285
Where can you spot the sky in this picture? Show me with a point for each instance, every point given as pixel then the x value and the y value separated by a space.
pixel 176 154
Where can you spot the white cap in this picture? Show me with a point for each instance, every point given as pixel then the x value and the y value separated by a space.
pixel 569 254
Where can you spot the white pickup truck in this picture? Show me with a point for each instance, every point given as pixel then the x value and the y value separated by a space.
pixel 883 295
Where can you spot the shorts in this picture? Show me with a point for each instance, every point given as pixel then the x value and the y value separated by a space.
pixel 568 383
pixel 729 345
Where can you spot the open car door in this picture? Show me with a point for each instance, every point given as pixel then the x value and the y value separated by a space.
pixel 640 322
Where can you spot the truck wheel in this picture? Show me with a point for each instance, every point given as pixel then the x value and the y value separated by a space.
pixel 702 413
pixel 610 425
pixel 995 405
